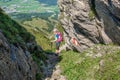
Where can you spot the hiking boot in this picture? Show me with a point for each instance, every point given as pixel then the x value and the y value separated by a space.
pixel 56 54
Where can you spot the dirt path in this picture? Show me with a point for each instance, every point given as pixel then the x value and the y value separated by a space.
pixel 52 70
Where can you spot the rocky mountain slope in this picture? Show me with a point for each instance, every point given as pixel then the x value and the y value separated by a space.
pixel 90 22
pixel 16 47
pixel 15 64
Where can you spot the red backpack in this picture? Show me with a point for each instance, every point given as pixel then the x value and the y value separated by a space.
pixel 59 37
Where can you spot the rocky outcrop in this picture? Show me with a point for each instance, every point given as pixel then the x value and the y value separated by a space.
pixel 16 44
pixel 51 70
pixel 90 22
pixel 15 64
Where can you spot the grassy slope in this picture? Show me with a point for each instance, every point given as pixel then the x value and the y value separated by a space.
pixel 14 31
pixel 41 29
pixel 86 66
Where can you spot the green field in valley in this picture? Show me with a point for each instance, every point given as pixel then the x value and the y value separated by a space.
pixel 26 6
pixel 25 9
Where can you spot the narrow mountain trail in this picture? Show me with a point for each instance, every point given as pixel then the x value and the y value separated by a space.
pixel 51 70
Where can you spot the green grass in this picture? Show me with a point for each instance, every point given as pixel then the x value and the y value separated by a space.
pixel 111 68
pixel 78 66
pixel 13 31
pixel 91 15
pixel 41 29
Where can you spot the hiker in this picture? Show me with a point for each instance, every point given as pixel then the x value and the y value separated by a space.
pixel 74 41
pixel 58 39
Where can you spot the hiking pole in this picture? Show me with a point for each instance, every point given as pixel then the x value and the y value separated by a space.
pixel 51 44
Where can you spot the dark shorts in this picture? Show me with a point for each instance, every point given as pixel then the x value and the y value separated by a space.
pixel 57 45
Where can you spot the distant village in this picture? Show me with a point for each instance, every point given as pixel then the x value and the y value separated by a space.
pixel 13 9
pixel 10 9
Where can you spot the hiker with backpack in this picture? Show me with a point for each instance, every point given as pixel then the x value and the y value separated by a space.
pixel 58 39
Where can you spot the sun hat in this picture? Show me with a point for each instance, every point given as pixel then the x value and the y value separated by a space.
pixel 55 30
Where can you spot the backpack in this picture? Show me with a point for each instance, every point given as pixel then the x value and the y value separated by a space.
pixel 60 38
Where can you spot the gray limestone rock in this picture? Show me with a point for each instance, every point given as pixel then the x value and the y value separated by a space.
pixel 15 64
pixel 90 22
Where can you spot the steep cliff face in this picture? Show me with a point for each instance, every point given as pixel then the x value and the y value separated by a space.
pixel 16 44
pixel 15 64
pixel 90 22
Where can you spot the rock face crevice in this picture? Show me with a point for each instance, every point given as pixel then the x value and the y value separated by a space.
pixel 90 22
